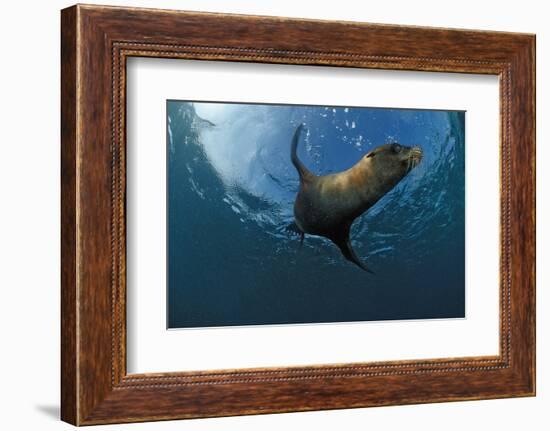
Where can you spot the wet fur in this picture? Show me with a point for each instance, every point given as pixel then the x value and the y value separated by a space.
pixel 328 205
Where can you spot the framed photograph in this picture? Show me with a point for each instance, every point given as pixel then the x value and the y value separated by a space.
pixel 265 214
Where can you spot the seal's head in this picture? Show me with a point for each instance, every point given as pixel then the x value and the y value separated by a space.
pixel 389 163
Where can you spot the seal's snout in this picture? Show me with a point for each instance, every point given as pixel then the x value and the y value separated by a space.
pixel 415 156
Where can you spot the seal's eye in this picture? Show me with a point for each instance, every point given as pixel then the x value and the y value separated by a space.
pixel 396 148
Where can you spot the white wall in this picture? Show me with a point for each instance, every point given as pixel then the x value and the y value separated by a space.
pixel 29 214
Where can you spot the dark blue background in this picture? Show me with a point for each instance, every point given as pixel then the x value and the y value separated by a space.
pixel 231 188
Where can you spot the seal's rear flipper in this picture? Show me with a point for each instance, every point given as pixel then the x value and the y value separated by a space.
pixel 304 173
pixel 347 250
pixel 294 229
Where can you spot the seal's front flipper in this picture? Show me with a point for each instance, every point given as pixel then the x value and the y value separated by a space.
pixel 344 244
pixel 349 254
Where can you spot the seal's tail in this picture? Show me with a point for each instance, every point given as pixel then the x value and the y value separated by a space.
pixel 302 170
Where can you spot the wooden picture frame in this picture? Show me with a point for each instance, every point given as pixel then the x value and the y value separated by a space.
pixel 95 43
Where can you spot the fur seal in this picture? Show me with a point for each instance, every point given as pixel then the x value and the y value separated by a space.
pixel 327 205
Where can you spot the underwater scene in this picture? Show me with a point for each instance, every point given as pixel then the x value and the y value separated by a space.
pixel 291 214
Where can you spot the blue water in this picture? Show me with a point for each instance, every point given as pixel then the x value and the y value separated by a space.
pixel 231 190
